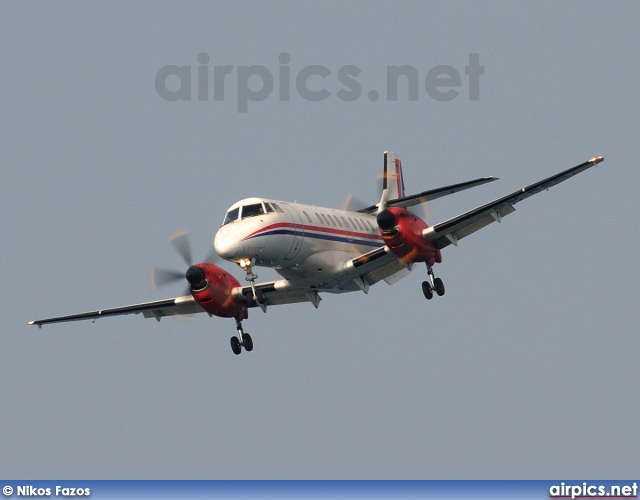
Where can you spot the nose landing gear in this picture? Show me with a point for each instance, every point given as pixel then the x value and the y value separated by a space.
pixel 251 277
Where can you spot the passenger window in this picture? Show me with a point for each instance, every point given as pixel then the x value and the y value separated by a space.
pixel 319 219
pixel 307 216
pixel 346 224
pixel 232 215
pixel 327 220
pixel 360 225
pixel 337 221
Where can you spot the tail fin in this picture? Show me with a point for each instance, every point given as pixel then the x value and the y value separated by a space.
pixel 393 183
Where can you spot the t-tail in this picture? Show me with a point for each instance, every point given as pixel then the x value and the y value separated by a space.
pixel 392 181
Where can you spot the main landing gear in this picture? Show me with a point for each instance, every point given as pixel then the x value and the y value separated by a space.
pixel 434 284
pixel 242 340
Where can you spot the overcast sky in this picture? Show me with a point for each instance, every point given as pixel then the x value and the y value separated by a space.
pixel 526 368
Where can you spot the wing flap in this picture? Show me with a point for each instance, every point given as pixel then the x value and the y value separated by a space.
pixel 275 293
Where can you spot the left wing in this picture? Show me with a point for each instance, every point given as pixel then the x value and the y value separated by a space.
pixel 358 273
pixel 156 309
pixel 455 229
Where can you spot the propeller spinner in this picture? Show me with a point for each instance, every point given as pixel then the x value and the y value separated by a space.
pixel 194 274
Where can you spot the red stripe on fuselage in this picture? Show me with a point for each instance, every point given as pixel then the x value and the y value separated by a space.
pixel 300 227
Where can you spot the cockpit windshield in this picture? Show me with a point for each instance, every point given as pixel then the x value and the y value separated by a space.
pixel 249 211
pixel 232 215
pixel 252 210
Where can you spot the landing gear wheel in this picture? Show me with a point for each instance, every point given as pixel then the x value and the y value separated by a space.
pixel 438 285
pixel 235 345
pixel 247 342
pixel 426 289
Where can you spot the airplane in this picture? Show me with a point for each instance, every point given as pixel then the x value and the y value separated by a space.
pixel 321 250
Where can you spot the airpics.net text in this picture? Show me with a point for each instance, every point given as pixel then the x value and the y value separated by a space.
pixel 312 83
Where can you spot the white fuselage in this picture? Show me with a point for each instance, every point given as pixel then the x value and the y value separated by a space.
pixel 301 242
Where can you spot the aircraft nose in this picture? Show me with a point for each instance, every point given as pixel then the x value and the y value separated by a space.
pixel 226 246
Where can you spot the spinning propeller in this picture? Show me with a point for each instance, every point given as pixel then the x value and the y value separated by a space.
pixel 194 275
pixel 352 203
pixel 426 211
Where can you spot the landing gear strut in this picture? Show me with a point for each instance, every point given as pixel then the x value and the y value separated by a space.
pixel 242 340
pixel 251 277
pixel 434 284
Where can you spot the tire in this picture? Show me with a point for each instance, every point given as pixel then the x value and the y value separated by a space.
pixel 235 345
pixel 426 289
pixel 439 286
pixel 248 342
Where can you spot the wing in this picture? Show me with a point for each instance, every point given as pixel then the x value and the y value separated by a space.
pixel 454 229
pixel 156 309
pixel 432 194
pixel 358 273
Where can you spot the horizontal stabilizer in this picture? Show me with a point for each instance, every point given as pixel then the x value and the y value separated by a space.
pixel 432 194
pixel 416 199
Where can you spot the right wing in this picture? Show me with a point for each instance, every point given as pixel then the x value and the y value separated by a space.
pixel 455 229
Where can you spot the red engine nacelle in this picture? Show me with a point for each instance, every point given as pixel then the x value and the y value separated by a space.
pixel 402 233
pixel 211 288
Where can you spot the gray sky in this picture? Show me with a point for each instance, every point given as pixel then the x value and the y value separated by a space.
pixel 527 368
